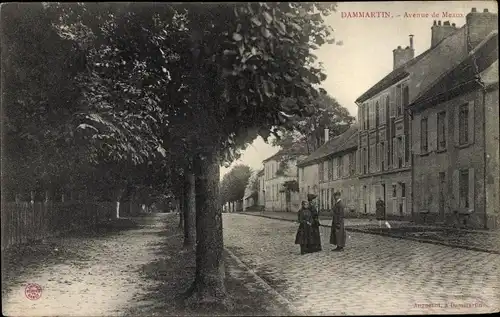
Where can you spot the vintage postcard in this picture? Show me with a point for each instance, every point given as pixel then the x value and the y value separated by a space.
pixel 250 158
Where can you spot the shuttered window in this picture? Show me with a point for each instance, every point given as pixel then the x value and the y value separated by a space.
pixel 398 101
pixel 424 137
pixel 441 133
pixel 377 114
pixel 463 124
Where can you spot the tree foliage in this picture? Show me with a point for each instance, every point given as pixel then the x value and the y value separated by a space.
pixel 328 114
pixel 234 183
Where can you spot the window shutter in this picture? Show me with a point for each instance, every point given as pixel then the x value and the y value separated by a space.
pixel 456 126
pixel 360 119
pixel 471 122
pixel 394 153
pixel 398 98
pixel 357 162
pixel 456 194
pixel 416 135
pixel 432 136
pixel 392 102
pixel 403 150
pixel 380 153
pixel 471 189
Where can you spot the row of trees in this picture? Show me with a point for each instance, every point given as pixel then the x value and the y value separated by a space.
pixel 145 99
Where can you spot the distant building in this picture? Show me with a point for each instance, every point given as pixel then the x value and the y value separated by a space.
pixel 277 174
pixel 456 142
pixel 331 168
pixel 261 202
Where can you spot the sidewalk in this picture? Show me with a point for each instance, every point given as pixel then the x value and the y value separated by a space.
pixel 476 240
pixel 129 271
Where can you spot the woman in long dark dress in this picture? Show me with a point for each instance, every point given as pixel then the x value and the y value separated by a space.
pixel 308 233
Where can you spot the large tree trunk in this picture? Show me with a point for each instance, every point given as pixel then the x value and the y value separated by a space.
pixel 208 286
pixel 190 210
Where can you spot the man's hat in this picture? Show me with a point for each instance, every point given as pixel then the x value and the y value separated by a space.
pixel 311 197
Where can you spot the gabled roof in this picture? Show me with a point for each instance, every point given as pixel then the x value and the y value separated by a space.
pixel 343 142
pixel 397 74
pixel 465 76
pixel 296 149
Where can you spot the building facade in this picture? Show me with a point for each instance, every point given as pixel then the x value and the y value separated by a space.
pixel 456 143
pixel 332 168
pixel 279 172
pixel 385 137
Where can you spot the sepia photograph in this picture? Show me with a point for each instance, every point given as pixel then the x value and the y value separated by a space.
pixel 249 158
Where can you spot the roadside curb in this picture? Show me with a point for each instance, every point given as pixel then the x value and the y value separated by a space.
pixel 280 298
pixel 395 237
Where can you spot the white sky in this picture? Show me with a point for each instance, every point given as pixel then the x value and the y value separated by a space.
pixel 366 54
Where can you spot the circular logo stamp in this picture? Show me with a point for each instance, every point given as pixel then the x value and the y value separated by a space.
pixel 33 291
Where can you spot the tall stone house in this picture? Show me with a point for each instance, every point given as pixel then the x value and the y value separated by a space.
pixel 384 142
pixel 335 165
pixel 277 174
pixel 456 136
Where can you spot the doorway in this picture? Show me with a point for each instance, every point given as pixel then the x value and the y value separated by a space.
pixel 442 188
pixel 384 197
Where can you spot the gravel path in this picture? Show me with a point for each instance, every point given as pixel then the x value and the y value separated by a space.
pixel 93 276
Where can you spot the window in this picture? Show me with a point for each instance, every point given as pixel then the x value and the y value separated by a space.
pixel 339 167
pixel 441 125
pixel 382 156
pixel 367 116
pixel 403 190
pixel 400 152
pixel 330 169
pixel 406 98
pixel 463 124
pixel 394 191
pixel 386 109
pixel 352 164
pixel 377 114
pixel 464 188
pixel 377 156
pixel 424 145
pixel 365 156
pixel 321 172
pixel 398 100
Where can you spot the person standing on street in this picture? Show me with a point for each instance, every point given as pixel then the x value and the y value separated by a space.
pixel 338 235
pixel 380 211
pixel 316 245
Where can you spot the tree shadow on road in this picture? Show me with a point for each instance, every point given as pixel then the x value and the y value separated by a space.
pixel 172 274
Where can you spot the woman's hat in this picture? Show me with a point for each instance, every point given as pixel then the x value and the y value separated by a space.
pixel 311 197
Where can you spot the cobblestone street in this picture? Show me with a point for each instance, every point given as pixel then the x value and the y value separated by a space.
pixel 375 274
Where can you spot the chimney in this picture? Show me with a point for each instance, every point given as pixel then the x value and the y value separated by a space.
pixel 439 32
pixel 403 55
pixel 479 25
pixel 327 135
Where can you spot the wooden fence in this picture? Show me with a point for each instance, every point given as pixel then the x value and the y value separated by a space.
pixel 23 222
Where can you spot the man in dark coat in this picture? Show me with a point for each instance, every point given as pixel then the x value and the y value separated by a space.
pixel 380 211
pixel 338 235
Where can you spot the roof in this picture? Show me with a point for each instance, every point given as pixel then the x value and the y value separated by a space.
pixel 397 74
pixel 296 149
pixel 343 142
pixel 465 76
pixel 260 173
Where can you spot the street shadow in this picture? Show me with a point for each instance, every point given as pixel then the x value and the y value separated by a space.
pixel 172 273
